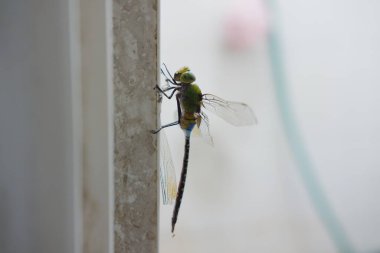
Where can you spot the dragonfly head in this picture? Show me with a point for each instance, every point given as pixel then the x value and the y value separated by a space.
pixel 187 77
pixel 184 75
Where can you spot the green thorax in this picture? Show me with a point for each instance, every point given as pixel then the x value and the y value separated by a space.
pixel 190 98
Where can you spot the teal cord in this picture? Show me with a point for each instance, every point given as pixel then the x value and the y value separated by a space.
pixel 305 165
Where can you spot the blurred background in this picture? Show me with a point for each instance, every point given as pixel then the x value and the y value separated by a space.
pixel 305 179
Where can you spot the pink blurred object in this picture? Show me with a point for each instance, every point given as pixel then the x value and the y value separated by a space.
pixel 246 24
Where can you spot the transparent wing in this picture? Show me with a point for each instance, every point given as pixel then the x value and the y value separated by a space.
pixel 235 113
pixel 204 129
pixel 168 180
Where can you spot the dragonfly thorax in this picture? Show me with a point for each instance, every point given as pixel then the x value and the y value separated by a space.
pixel 190 97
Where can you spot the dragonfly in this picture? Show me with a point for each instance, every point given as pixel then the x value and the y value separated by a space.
pixel 190 104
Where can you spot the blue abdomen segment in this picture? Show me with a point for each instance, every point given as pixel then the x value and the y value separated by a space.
pixel 189 128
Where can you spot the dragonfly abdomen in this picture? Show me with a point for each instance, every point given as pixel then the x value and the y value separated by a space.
pixel 181 186
pixel 187 123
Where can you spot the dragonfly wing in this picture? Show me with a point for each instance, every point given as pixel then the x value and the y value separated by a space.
pixel 204 128
pixel 168 180
pixel 235 113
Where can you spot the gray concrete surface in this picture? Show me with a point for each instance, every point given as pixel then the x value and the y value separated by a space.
pixel 135 113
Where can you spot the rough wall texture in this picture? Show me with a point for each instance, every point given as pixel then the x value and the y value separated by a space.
pixel 135 113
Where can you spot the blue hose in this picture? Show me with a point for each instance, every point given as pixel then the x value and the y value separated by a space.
pixel 301 156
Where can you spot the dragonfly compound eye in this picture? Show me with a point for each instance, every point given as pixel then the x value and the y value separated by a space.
pixel 187 77
pixel 177 75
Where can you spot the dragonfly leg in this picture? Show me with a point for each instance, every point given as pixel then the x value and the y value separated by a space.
pixel 164 126
pixel 166 77
pixel 171 77
pixel 173 123
pixel 167 89
pixel 169 82
pixel 178 108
